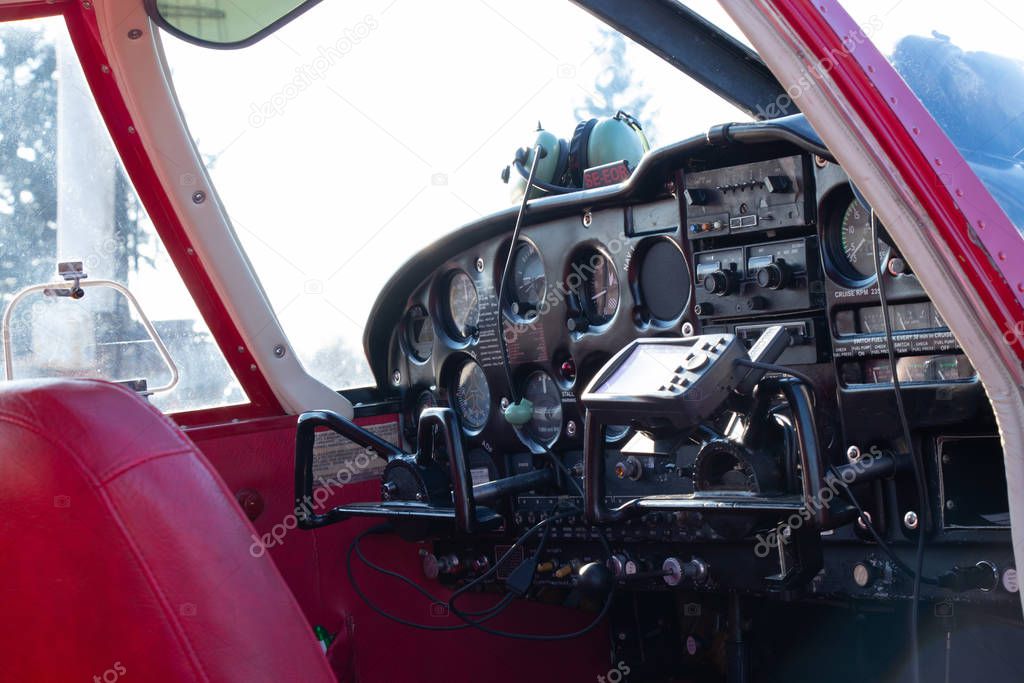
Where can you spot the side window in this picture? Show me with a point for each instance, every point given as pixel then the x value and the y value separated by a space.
pixel 64 196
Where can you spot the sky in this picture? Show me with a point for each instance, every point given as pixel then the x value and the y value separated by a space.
pixel 361 132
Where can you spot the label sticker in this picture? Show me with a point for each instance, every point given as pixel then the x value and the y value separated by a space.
pixel 336 460
pixel 480 475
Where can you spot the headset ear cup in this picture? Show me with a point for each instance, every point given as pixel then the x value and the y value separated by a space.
pixel 578 157
pixel 563 161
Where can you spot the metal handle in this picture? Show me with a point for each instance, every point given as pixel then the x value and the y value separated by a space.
pixel 85 284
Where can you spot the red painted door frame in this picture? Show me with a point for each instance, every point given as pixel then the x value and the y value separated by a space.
pixel 84 32
pixel 969 222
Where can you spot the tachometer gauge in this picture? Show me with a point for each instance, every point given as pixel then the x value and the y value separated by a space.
pixel 527 282
pixel 471 397
pixel 543 392
pixel 856 246
pixel 463 305
pixel 419 333
pixel 599 291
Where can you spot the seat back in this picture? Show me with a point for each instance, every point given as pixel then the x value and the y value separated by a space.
pixel 124 554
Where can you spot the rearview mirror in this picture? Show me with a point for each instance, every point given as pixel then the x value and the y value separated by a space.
pixel 219 24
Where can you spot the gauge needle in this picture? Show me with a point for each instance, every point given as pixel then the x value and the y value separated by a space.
pixel 599 294
pixel 853 254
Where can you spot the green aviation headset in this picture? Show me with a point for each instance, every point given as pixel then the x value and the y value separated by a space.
pixel 561 165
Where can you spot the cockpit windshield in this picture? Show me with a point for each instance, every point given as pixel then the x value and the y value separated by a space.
pixel 353 137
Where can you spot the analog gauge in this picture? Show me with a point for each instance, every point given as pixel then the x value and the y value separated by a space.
pixel 856 246
pixel 527 282
pixel 546 423
pixel 615 433
pixel 472 397
pixel 419 333
pixel 599 291
pixel 463 305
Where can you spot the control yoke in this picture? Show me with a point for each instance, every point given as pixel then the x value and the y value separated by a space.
pixel 419 490
pixel 669 387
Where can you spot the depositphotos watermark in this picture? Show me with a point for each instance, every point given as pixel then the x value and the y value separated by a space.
pixel 320 496
pixel 315 70
pixel 572 284
pixel 823 499
pixel 616 675
pixel 850 41
pixel 112 674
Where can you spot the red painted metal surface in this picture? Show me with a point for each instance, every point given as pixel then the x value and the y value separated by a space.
pixel 82 27
pixel 963 211
pixel 31 10
pixel 259 455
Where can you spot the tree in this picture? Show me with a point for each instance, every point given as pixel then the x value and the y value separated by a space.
pixel 28 148
pixel 28 170
pixel 615 87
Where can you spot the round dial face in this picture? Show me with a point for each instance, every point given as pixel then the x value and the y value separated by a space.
pixel 472 397
pixel 463 305
pixel 543 392
pixel 527 281
pixel 613 433
pixel 855 240
pixel 600 289
pixel 419 333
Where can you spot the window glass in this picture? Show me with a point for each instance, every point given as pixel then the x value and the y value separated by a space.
pixel 358 134
pixel 64 196
pixel 965 62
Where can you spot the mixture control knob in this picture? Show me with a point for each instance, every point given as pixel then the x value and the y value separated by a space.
pixel 773 276
pixel 720 282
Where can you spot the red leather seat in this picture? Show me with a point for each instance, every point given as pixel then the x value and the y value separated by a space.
pixel 124 555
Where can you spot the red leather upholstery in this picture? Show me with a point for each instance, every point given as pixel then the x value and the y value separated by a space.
pixel 124 555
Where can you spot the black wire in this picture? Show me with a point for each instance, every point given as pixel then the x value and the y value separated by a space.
pixel 781 369
pixel 506 364
pixel 903 566
pixel 387 572
pixel 535 636
pixel 488 613
pixel 919 476
pixel 494 611
pixel 537 152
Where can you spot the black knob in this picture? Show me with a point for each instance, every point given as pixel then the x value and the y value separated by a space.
pixel 776 183
pixel 595 581
pixel 695 196
pixel 720 282
pixel 773 276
